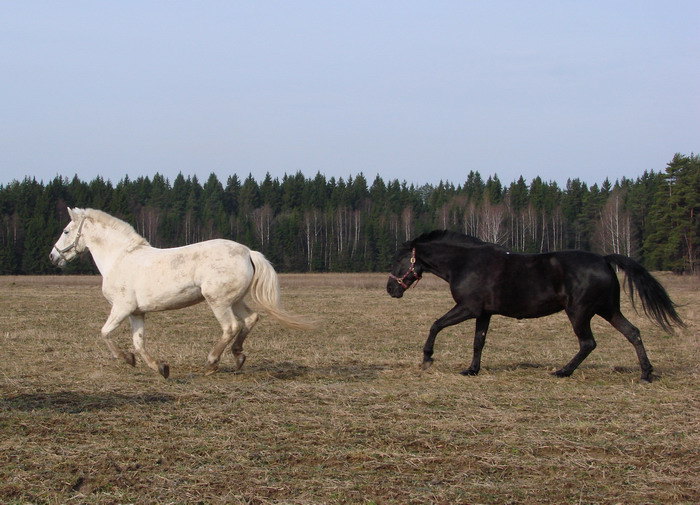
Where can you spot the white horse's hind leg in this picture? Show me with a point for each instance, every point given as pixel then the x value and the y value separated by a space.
pixel 249 319
pixel 231 326
pixel 137 331
pixel 116 316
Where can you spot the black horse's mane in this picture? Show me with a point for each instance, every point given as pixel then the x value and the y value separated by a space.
pixel 447 237
pixel 444 237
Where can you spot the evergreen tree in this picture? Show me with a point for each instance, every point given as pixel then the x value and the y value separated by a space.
pixel 232 195
pixel 493 190
pixel 573 211
pixel 641 196
pixel 100 192
pixel 120 197
pixel 213 216
pixel 37 243
pixel 358 191
pixel 80 193
pixel 315 193
pixel 192 217
pixel 378 193
pixel 474 187
pixel 271 193
pixel 519 194
pixel 292 191
pixel 160 193
pixel 673 238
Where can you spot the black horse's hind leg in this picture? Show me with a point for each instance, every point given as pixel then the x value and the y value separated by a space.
pixel 631 332
pixel 482 326
pixel 456 315
pixel 586 342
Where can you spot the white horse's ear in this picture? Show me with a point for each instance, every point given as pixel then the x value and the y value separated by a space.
pixel 75 213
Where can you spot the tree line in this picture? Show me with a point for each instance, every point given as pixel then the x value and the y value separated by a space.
pixel 324 224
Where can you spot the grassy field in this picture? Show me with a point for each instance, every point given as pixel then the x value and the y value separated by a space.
pixel 341 414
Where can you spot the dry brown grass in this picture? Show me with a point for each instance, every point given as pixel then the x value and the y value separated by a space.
pixel 340 414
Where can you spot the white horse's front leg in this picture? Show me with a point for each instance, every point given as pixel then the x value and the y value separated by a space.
pixel 116 316
pixel 138 324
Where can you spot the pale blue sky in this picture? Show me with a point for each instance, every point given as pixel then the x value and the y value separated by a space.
pixel 419 91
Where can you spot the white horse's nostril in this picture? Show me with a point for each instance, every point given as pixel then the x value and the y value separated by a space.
pixel 55 258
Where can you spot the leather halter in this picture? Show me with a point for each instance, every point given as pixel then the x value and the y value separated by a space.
pixel 74 245
pixel 410 271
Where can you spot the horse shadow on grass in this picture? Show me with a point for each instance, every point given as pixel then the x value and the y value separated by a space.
pixel 289 370
pixel 551 367
pixel 74 402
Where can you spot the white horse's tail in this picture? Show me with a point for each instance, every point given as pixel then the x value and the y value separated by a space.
pixel 265 292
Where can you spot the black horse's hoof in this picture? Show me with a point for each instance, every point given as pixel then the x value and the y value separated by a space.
pixel 649 375
pixel 427 363
pixel 469 371
pixel 561 373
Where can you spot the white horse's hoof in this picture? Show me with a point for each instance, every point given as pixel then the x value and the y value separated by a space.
pixel 129 357
pixel 240 359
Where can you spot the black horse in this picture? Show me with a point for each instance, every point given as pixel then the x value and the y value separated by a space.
pixel 486 279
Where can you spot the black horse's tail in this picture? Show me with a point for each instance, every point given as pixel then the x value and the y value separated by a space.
pixel 655 300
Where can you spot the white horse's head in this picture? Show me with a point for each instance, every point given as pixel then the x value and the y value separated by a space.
pixel 71 242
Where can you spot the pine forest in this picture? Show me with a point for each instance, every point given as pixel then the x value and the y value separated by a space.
pixel 352 224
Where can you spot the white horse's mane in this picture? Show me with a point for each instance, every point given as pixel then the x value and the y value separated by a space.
pixel 117 225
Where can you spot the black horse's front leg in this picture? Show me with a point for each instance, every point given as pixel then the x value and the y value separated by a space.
pixel 428 347
pixel 482 326
pixel 456 315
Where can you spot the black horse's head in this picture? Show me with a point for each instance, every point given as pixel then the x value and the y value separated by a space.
pixel 406 271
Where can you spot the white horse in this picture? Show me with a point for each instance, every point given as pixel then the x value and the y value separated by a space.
pixel 138 278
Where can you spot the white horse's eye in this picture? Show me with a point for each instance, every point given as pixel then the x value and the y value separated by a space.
pixel 65 232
